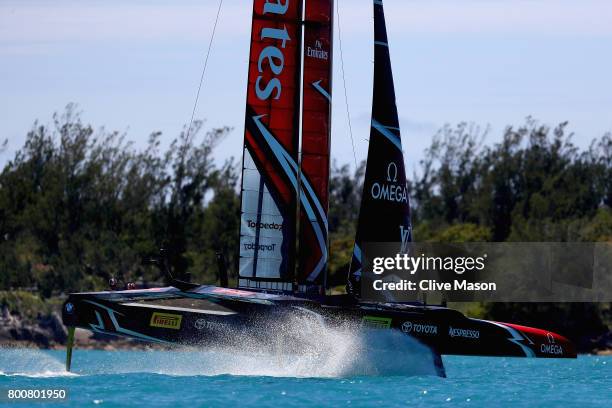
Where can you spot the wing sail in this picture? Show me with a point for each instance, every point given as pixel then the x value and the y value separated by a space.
pixel 270 160
pixel 316 132
pixel 384 215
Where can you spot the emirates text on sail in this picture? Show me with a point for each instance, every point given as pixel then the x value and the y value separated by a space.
pixel 274 56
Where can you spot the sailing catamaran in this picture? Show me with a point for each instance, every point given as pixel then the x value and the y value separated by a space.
pixel 284 230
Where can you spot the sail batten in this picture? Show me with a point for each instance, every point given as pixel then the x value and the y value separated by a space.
pixel 384 215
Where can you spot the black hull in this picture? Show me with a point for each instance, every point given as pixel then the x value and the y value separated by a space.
pixel 208 316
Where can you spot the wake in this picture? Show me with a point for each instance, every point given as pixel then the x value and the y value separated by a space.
pixel 301 346
pixel 31 363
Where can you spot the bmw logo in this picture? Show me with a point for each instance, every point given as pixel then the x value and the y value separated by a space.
pixel 69 307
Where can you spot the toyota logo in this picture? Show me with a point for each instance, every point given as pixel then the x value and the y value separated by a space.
pixel 200 324
pixel 407 327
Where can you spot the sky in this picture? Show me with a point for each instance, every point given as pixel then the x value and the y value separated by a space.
pixel 135 65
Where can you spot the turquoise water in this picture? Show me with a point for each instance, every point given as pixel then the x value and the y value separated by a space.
pixel 218 379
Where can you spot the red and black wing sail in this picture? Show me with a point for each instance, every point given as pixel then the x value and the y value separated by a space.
pixel 316 132
pixel 270 161
pixel 384 215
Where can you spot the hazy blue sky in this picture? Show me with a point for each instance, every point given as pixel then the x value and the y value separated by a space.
pixel 135 65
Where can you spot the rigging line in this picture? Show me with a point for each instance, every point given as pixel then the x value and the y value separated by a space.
pixel 212 37
pixel 348 115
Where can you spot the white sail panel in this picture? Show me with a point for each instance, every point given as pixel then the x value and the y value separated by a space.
pixel 261 227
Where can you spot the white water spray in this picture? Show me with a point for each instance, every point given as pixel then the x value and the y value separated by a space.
pixel 30 363
pixel 299 346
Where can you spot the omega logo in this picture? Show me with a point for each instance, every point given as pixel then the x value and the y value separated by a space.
pixel 392 168
pixel 390 191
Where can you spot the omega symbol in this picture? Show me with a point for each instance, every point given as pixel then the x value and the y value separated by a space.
pixel 392 169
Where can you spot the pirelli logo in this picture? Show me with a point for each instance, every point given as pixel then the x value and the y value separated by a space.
pixel 376 322
pixel 166 320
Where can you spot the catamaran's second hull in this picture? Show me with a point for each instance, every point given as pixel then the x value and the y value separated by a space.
pixel 451 333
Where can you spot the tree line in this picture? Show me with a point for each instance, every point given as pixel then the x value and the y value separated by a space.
pixel 79 205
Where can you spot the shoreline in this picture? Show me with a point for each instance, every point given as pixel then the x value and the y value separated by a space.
pixel 85 340
pixel 128 346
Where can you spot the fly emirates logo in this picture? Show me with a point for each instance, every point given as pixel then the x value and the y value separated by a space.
pixel 271 57
pixel 317 52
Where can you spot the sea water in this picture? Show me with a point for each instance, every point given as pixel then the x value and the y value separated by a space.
pixel 193 378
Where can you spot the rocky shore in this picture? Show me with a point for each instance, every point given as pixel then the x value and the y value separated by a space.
pixel 45 332
pixel 48 332
pixel 601 345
